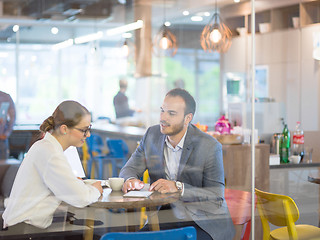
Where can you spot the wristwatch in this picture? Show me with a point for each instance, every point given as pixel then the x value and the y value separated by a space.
pixel 179 185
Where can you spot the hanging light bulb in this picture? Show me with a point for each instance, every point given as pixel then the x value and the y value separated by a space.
pixel 216 36
pixel 125 49
pixel 165 42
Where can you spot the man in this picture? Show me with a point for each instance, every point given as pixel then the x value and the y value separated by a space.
pixel 179 157
pixel 120 101
pixel 7 120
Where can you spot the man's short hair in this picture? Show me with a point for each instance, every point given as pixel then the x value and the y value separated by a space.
pixel 188 99
pixel 123 83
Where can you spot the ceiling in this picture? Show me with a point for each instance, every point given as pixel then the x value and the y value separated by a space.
pixel 79 17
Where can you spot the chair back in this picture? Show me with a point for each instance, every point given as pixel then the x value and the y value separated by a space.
pixel 19 143
pixel 186 233
pixel 95 144
pixel 239 205
pixel 117 147
pixel 279 210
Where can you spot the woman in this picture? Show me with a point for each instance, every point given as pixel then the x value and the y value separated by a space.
pixel 45 178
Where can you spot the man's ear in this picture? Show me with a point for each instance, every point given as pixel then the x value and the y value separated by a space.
pixel 188 118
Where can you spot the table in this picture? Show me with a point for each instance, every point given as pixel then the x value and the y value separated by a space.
pixel 315 178
pixel 115 200
pixel 56 229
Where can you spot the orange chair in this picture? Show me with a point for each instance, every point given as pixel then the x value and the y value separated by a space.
pixel 239 204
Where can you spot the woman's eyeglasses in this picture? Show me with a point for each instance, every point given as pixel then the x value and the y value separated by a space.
pixel 84 131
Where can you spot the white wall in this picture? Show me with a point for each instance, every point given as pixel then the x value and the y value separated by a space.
pixel 293 73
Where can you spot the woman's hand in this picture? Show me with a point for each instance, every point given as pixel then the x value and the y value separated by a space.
pixel 98 186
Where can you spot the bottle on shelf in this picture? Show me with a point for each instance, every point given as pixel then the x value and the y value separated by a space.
pixel 285 144
pixel 298 141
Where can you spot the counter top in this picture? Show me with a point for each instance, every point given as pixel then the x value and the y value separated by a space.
pixel 27 127
pixel 106 127
pixel 292 165
pixel 123 130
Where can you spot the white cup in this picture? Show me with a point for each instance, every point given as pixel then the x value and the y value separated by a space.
pixel 296 22
pixel 116 183
pixel 295 159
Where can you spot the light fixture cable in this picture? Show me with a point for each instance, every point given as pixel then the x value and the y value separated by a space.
pixel 165 42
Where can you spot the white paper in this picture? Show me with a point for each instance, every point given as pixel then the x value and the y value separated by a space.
pixel 138 194
pixel 72 155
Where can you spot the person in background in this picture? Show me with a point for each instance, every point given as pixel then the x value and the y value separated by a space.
pixel 6 124
pixel 45 178
pixel 120 101
pixel 181 158
pixel 179 83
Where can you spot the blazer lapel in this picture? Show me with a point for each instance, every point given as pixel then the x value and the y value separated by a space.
pixel 162 163
pixel 187 149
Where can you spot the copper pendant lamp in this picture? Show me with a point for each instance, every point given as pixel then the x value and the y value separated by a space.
pixel 216 36
pixel 165 42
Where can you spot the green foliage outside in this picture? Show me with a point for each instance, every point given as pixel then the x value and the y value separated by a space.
pixel 208 102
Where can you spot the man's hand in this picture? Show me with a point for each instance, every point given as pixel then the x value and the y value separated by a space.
pixel 132 184
pixel 98 186
pixel 164 186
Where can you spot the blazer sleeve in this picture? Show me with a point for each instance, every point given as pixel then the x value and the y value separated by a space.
pixel 209 193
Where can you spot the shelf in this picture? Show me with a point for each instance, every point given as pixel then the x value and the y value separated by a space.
pixel 261 17
pixel 310 13
pixel 234 23
pixel 292 16
pixel 282 18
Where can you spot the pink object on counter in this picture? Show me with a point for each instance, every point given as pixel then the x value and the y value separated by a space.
pixel 223 125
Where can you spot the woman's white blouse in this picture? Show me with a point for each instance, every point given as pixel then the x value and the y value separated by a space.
pixel 43 181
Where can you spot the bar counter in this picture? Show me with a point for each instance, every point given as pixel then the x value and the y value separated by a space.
pixel 292 165
pixel 23 136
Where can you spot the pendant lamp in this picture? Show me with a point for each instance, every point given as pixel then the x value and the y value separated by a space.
pixel 216 36
pixel 165 42
pixel 125 49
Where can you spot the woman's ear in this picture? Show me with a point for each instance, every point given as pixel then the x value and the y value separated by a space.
pixel 63 129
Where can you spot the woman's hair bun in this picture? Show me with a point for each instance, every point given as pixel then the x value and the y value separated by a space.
pixel 47 124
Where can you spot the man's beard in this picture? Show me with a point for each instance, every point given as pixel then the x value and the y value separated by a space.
pixel 175 129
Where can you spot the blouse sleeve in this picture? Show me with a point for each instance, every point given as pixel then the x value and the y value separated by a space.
pixel 60 179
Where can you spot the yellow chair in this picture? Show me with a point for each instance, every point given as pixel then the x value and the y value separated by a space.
pixel 281 210
pixel 144 216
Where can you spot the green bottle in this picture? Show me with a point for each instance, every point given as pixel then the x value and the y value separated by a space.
pixel 284 144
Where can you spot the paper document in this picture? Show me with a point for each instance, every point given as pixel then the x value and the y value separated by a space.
pixel 138 194
pixel 72 155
